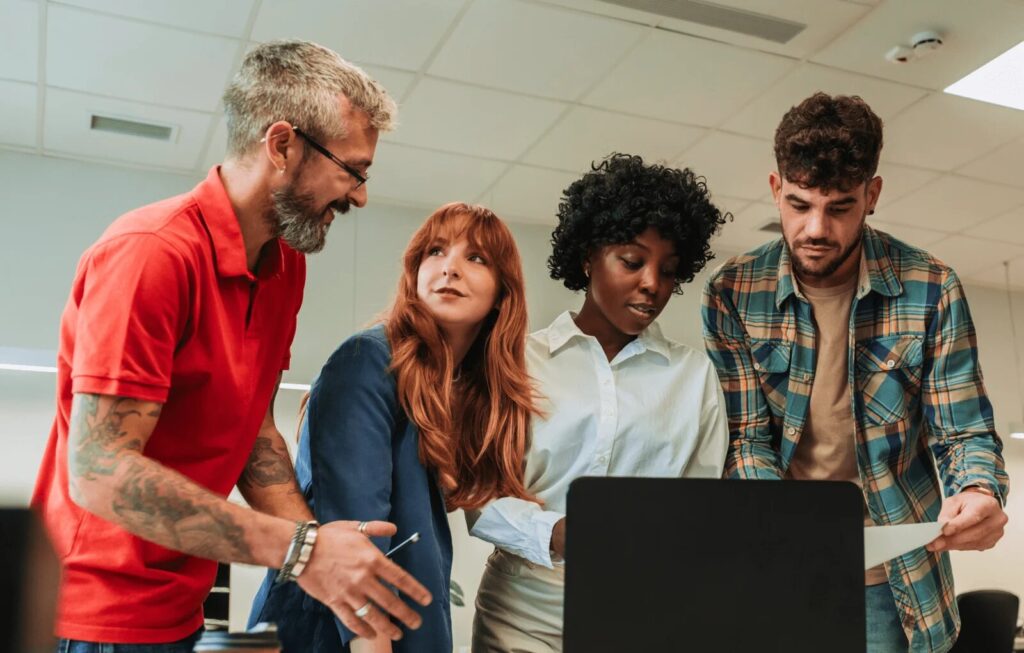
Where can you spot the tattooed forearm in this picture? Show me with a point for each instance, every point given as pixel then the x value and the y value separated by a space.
pixel 111 477
pixel 99 439
pixel 268 481
pixel 161 507
pixel 268 465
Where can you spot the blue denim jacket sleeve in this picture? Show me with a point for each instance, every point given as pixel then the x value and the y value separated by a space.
pixel 351 422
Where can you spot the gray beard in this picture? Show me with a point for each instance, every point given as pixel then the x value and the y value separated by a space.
pixel 295 220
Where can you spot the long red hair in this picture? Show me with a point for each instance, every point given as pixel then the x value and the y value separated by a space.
pixel 472 434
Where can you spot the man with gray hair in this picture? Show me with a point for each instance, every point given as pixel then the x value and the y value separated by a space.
pixel 179 323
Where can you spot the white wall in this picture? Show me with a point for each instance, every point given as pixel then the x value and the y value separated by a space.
pixel 52 210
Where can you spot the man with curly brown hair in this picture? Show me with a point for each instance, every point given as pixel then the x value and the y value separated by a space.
pixel 847 355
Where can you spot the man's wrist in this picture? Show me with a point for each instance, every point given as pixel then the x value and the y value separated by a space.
pixel 300 549
pixel 979 489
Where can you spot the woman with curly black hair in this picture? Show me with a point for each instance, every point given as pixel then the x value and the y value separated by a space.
pixel 617 398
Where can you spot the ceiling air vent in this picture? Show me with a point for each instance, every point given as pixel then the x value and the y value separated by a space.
pixel 773 227
pixel 131 127
pixel 709 14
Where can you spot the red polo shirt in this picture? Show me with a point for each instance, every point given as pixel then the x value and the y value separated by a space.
pixel 163 308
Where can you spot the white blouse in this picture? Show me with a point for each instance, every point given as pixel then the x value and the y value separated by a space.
pixel 655 410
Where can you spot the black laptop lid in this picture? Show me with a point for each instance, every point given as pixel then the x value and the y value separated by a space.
pixel 701 565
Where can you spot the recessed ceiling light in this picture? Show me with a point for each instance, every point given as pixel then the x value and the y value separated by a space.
pixel 1000 81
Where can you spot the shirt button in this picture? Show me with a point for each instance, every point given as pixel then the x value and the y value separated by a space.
pixel 602 459
pixel 791 431
pixel 890 363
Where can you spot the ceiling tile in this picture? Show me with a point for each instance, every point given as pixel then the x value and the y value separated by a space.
pixel 761 117
pixel 899 181
pixel 19 33
pixel 136 61
pixel 755 215
pixel 995 276
pixel 531 48
pixel 466 119
pixel 586 135
pixel 395 82
pixel 969 255
pixel 733 165
pixel 397 33
pixel 744 232
pixel 910 235
pixel 529 194
pixel 952 203
pixel 227 17
pixel 657 79
pixel 943 132
pixel 67 130
pixel 824 19
pixel 218 147
pixel 18 113
pixel 426 178
pixel 731 205
pixel 974 32
pixel 1005 165
pixel 1008 227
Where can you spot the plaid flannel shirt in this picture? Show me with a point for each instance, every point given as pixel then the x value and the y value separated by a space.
pixel 916 392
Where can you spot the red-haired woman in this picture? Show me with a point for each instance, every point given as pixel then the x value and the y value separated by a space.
pixel 422 414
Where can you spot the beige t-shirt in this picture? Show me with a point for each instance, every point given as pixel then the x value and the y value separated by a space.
pixel 827 450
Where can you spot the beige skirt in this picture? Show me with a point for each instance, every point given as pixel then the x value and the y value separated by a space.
pixel 518 607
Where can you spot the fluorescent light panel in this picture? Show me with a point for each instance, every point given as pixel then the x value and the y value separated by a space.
pixel 17 367
pixel 14 367
pixel 1000 81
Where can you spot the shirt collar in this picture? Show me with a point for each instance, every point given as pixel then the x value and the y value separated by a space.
pixel 563 330
pixel 221 223
pixel 876 271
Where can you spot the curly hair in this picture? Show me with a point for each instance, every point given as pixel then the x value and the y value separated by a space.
pixel 620 198
pixel 829 142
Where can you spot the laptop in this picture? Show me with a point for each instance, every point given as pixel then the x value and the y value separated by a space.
pixel 704 565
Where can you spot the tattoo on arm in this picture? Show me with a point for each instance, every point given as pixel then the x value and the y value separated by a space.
pixel 101 440
pixel 105 444
pixel 268 465
pixel 178 514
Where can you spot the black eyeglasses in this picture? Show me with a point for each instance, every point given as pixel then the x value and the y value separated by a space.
pixel 359 177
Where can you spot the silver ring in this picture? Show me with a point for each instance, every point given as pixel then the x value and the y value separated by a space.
pixel 362 527
pixel 363 611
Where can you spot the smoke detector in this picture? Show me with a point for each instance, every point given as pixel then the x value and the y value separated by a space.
pixel 921 45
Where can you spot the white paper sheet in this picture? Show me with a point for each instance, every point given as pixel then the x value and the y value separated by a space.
pixel 882 543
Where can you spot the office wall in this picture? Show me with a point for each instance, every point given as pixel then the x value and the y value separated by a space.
pixel 52 209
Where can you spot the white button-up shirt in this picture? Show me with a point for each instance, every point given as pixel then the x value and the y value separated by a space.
pixel 656 409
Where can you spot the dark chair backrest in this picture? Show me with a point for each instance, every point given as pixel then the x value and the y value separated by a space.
pixel 988 621
pixel 216 607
